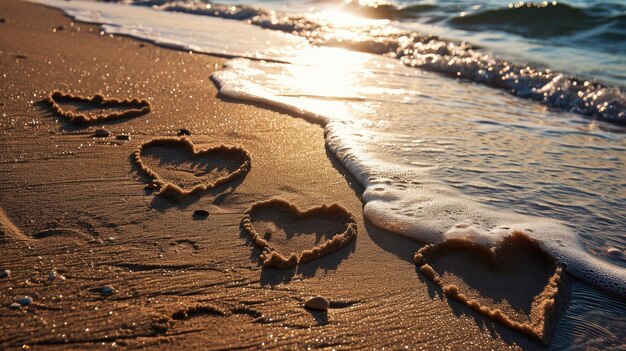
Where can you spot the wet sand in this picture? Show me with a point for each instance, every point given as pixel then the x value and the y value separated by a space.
pixel 108 262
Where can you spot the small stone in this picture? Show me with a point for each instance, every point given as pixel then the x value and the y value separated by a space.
pixel 317 303
pixel 123 137
pixel 107 290
pixel 151 186
pixel 3 20
pixel 184 132
pixel 5 274
pixel 61 27
pixel 14 306
pixel 101 133
pixel 614 252
pixel 201 213
pixel 52 276
pixel 25 301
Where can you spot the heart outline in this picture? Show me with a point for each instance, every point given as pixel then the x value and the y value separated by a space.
pixel 170 188
pixel 273 259
pixel 140 107
pixel 543 305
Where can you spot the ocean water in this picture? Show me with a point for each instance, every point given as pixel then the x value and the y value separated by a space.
pixel 459 119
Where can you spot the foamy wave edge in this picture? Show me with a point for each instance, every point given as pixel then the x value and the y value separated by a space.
pixel 429 52
pixel 382 198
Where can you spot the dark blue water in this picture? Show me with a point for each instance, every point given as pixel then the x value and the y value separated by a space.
pixel 552 28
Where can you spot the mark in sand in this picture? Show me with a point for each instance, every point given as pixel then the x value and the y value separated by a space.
pixel 205 310
pixel 333 225
pixel 530 305
pixel 64 233
pixel 8 230
pixel 110 109
pixel 178 168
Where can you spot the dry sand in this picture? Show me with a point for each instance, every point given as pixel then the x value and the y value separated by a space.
pixel 141 270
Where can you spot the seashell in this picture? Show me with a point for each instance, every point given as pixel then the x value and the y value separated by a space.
pixel 317 303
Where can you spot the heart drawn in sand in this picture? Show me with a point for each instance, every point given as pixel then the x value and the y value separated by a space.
pixel 185 170
pixel 290 215
pixel 123 108
pixel 513 272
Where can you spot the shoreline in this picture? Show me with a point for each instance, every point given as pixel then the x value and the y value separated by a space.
pixel 177 280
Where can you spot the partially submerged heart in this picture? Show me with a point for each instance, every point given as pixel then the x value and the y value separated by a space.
pixel 333 225
pixel 519 277
pixel 122 108
pixel 179 169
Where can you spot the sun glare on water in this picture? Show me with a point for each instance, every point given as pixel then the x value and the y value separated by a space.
pixel 339 18
pixel 326 72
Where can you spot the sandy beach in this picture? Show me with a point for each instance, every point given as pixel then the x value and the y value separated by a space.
pixel 110 263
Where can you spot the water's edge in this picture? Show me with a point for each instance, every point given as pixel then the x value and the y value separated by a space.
pixel 381 196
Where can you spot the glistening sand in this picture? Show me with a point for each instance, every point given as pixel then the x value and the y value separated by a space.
pixel 77 205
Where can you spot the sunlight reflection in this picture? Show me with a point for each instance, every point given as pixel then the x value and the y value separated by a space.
pixel 324 78
pixel 335 82
pixel 338 18
pixel 323 72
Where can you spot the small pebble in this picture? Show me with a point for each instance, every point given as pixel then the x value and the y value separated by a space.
pixel 123 137
pixel 614 252
pixel 5 274
pixel 101 133
pixel 25 301
pixel 151 186
pixel 201 213
pixel 2 20
pixel 107 290
pixel 317 303
pixel 184 132
pixel 14 306
pixel 61 27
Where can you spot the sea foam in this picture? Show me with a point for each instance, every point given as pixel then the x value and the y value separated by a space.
pixel 409 200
